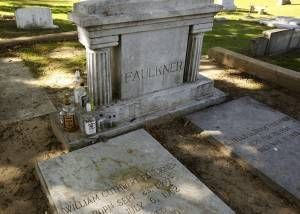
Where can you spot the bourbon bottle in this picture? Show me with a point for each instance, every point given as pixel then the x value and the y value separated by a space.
pixel 68 115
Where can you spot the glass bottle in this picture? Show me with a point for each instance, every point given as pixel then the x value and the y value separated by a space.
pixel 67 115
pixel 79 92
pixel 89 126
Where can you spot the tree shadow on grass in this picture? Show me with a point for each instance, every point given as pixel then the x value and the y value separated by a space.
pixel 232 34
pixel 8 29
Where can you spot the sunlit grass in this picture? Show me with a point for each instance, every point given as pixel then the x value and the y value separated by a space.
pixel 272 7
pixel 39 57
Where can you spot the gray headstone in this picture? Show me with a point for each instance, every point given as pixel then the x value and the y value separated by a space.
pixel 129 174
pixel 34 17
pixel 258 46
pixel 266 139
pixel 295 41
pixel 279 40
pixel 283 2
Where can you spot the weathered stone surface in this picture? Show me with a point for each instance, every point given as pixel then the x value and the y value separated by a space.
pixel 20 96
pixel 279 40
pixel 34 17
pixel 155 62
pixel 266 139
pixel 258 46
pixel 295 41
pixel 133 113
pixel 146 41
pixel 129 174
pixel 282 22
pixel 104 12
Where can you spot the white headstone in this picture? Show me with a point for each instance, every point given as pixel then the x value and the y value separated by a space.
pixel 34 17
pixel 227 4
pixel 129 174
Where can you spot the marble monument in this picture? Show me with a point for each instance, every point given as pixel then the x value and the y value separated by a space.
pixel 143 58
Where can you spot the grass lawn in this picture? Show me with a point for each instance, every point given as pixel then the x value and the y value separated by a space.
pixel 233 34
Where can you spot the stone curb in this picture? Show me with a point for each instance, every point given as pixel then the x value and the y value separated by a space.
pixel 281 76
pixel 65 36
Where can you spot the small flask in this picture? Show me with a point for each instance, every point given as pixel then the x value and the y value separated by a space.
pixel 89 121
pixel 67 115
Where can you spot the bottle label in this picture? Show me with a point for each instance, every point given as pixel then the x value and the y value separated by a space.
pixel 90 127
pixel 69 122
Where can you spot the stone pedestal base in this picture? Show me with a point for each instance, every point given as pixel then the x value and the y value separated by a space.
pixel 137 112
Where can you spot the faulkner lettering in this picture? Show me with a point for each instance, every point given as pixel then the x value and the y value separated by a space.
pixel 152 72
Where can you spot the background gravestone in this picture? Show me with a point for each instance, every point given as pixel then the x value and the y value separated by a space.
pixel 279 40
pixel 264 138
pixel 258 46
pixel 34 17
pixel 129 174
pixel 283 2
pixel 295 41
pixel 227 4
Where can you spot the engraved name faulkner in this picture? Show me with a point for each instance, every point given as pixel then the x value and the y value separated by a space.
pixel 155 71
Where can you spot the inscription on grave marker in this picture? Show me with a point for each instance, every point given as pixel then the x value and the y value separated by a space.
pixel 154 71
pixel 155 62
pixel 268 136
pixel 267 140
pixel 154 186
pixel 130 174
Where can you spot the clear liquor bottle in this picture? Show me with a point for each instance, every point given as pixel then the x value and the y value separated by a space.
pixel 88 121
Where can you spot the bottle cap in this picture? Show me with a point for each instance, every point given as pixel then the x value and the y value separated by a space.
pixel 88 107
pixel 67 99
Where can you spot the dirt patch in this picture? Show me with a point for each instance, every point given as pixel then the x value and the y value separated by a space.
pixel 25 142
pixel 233 182
pixel 22 144
pixel 20 97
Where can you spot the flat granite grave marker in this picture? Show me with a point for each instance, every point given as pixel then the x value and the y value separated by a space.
pixel 129 174
pixel 266 139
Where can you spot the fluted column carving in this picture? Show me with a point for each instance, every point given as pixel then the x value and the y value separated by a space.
pixel 99 76
pixel 194 52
